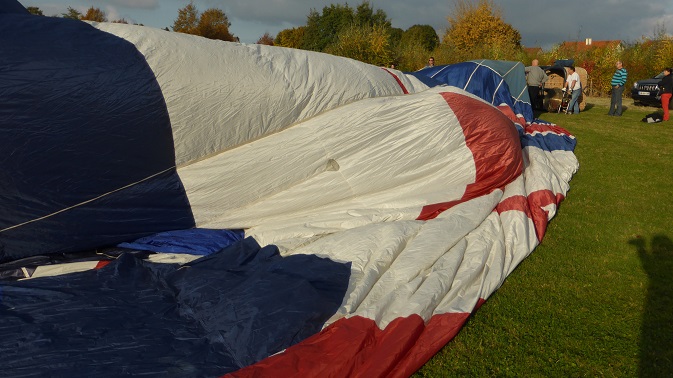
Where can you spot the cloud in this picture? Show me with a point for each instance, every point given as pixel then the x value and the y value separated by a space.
pixel 112 13
pixel 403 14
pixel 137 4
pixel 543 23
pixel 540 23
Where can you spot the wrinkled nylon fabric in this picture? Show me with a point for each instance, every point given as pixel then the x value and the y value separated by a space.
pixel 86 138
pixel 496 82
pixel 214 315
pixel 389 212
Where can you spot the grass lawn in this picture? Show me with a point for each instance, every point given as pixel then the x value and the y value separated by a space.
pixel 596 298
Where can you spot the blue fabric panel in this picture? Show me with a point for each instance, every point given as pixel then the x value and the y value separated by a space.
pixel 424 77
pixel 486 82
pixel 514 74
pixel 564 62
pixel 12 6
pixel 82 118
pixel 223 312
pixel 549 142
pixel 195 241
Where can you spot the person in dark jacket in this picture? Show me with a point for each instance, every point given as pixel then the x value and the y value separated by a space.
pixel 666 91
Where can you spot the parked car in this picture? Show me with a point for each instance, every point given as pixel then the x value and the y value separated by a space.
pixel 644 92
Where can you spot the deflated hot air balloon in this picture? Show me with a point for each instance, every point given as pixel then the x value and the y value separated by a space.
pixel 190 207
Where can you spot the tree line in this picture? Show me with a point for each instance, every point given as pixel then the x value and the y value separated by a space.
pixel 213 23
pixel 476 30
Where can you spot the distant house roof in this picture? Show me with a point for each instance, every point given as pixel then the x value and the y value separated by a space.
pixel 532 51
pixel 589 43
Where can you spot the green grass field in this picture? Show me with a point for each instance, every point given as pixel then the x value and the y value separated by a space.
pixel 595 299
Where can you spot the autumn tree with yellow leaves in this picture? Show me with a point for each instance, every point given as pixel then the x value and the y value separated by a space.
pixel 94 14
pixel 266 39
pixel 290 37
pixel 368 43
pixel 213 23
pixel 477 27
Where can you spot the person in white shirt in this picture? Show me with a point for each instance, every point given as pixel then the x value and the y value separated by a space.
pixel 573 84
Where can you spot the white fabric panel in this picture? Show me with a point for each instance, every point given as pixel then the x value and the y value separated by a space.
pixel 546 170
pixel 376 160
pixel 222 94
pixel 60 269
pixel 407 267
pixel 428 267
pixel 324 155
pixel 518 231
pixel 67 268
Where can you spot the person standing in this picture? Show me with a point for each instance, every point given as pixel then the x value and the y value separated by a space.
pixel 618 82
pixel 431 62
pixel 573 84
pixel 535 79
pixel 666 91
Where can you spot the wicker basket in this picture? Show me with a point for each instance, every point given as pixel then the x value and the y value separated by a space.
pixel 552 89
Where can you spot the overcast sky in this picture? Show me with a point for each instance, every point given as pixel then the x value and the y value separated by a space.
pixel 541 23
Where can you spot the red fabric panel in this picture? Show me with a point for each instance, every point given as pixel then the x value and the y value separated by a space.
pixel 537 200
pixel 437 333
pixel 545 128
pixel 404 89
pixel 517 203
pixel 533 208
pixel 496 149
pixel 506 110
pixel 356 347
pixel 102 264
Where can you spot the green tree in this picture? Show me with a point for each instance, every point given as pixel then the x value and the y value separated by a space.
pixel 395 37
pixel 73 14
pixel 322 29
pixel 35 10
pixel 365 16
pixel 479 23
pixel 369 44
pixel 412 58
pixel 290 37
pixel 424 36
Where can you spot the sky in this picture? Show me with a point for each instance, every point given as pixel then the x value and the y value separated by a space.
pixel 541 23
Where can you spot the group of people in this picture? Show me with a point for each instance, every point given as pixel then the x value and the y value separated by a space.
pixel 536 78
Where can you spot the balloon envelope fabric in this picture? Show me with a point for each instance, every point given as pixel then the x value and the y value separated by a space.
pixel 378 212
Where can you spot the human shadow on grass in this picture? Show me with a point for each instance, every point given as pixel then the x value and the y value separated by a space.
pixel 656 343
